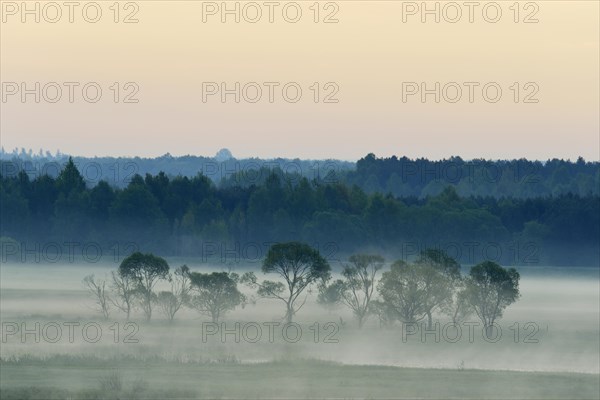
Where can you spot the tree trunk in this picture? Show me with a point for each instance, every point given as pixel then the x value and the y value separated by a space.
pixel 289 314
pixel 429 320
pixel 454 317
pixel 361 321
pixel 489 325
pixel 147 305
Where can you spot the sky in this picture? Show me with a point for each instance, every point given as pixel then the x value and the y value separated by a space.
pixel 515 82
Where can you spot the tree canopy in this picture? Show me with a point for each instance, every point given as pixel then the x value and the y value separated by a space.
pixel 146 270
pixel 299 266
pixel 490 288
pixel 215 293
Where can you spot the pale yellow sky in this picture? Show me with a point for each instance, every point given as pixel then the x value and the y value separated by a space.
pixel 366 56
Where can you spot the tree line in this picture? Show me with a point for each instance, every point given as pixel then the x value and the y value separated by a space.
pixel 175 216
pixel 399 176
pixel 408 292
pixel 502 178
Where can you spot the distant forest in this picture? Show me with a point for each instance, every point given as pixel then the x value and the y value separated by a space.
pixel 400 177
pixel 513 212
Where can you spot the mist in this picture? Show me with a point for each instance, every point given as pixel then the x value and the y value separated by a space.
pixel 556 322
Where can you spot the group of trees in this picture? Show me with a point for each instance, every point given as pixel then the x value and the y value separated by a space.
pixel 133 286
pixel 408 292
pixel 412 292
pixel 503 178
pixel 175 215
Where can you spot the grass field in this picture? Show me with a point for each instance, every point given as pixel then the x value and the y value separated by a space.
pixel 283 379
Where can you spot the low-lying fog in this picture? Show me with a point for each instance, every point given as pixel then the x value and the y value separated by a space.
pixel 553 327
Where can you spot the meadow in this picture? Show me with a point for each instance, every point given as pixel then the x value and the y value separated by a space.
pixel 549 346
